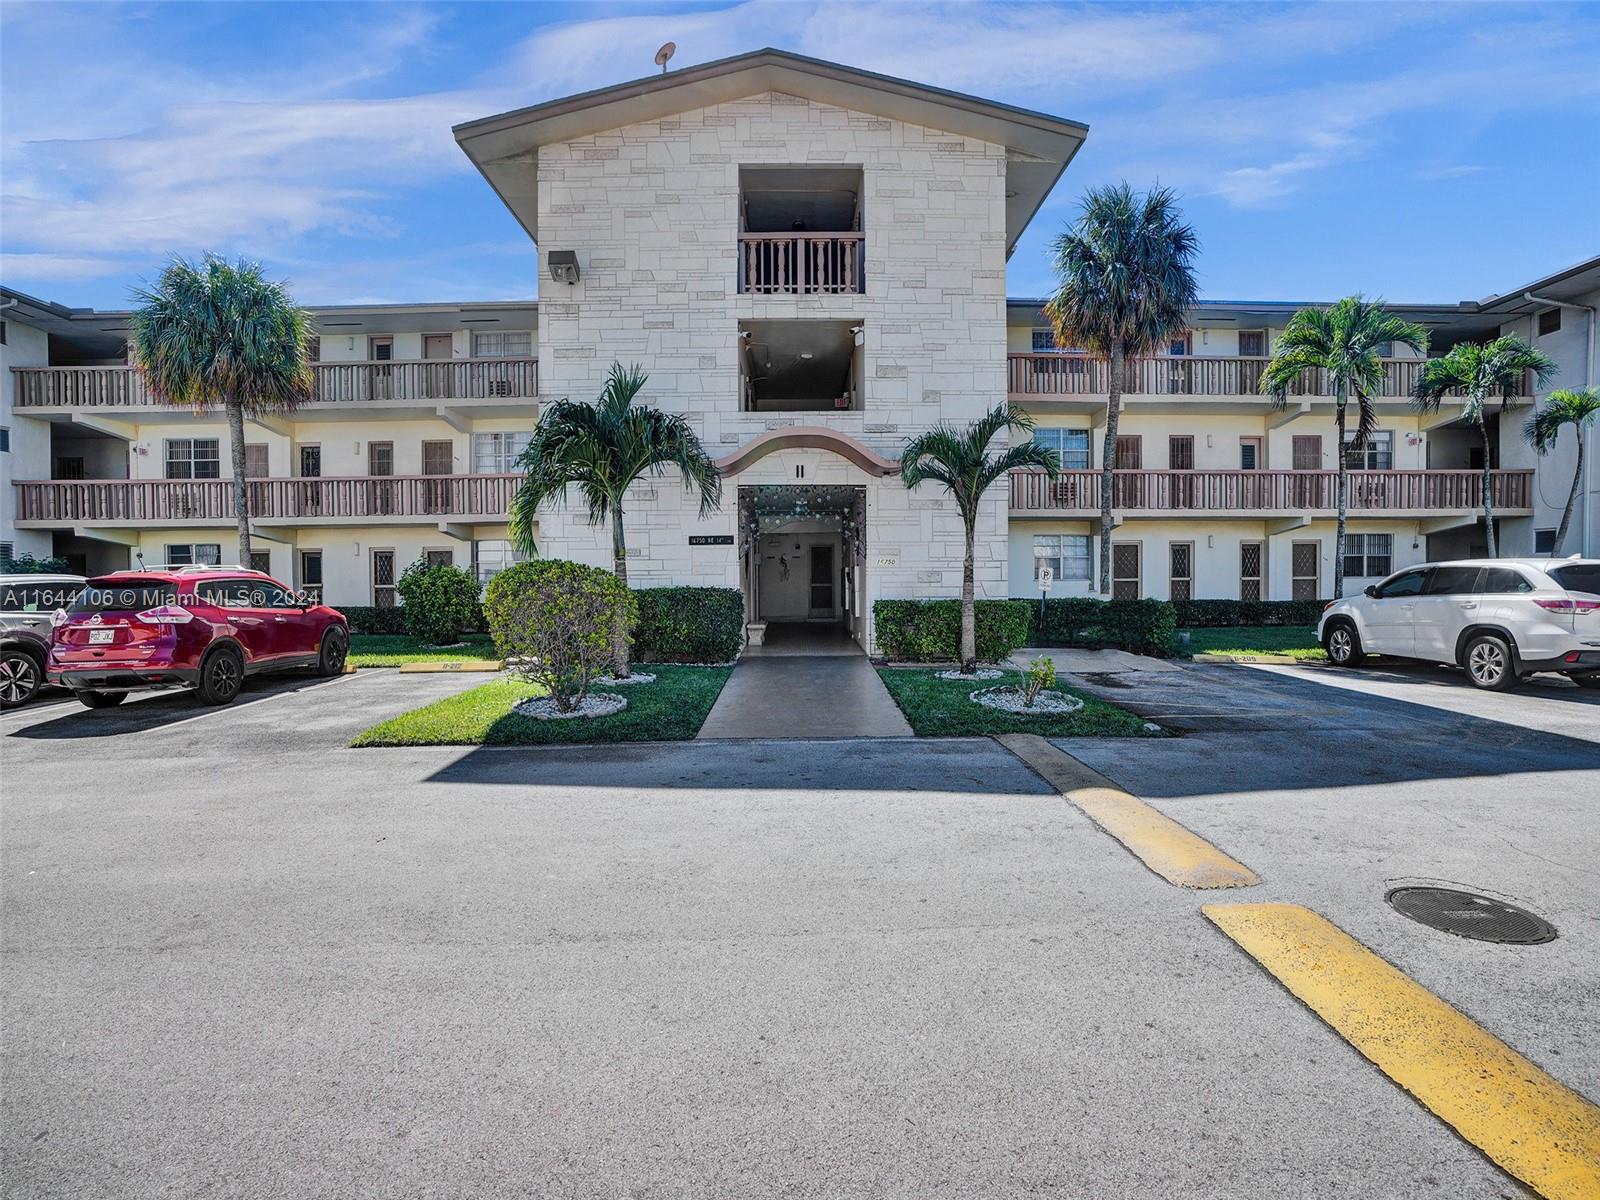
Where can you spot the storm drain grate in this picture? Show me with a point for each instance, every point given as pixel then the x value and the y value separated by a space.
pixel 1469 915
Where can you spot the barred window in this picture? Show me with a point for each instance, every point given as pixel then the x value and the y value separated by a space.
pixel 1368 555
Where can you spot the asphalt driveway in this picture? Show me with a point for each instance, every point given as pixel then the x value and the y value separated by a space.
pixel 241 960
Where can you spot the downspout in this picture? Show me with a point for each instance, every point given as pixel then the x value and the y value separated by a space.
pixel 1587 434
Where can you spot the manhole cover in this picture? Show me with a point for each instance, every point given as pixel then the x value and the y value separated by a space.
pixel 1468 915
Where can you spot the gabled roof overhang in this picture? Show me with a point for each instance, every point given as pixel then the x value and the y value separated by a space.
pixel 1038 147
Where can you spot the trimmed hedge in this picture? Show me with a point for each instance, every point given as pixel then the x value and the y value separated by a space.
pixel 1193 613
pixel 364 618
pixel 930 630
pixel 1142 626
pixel 689 624
pixel 440 602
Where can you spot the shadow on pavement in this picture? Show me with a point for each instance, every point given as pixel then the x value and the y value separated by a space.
pixel 142 712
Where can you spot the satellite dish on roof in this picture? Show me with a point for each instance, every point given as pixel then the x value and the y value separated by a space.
pixel 665 54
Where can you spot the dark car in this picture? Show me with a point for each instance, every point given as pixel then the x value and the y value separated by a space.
pixel 204 628
pixel 26 602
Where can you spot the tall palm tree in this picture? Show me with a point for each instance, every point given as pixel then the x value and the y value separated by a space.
pixel 1577 407
pixel 218 333
pixel 1342 343
pixel 601 449
pixel 1480 373
pixel 1126 271
pixel 960 459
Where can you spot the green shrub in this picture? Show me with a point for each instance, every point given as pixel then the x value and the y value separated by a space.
pixel 364 618
pixel 439 602
pixel 930 630
pixel 688 624
pixel 27 564
pixel 553 622
pixel 1142 626
pixel 1210 613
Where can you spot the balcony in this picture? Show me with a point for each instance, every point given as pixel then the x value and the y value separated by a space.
pixel 1073 375
pixel 381 498
pixel 801 264
pixel 1270 493
pixel 439 380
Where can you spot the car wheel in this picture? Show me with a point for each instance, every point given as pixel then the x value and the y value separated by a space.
pixel 20 677
pixel 221 677
pixel 335 649
pixel 101 699
pixel 1489 664
pixel 1343 644
pixel 1591 680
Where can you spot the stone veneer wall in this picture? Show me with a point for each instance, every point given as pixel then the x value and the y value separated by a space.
pixel 652 212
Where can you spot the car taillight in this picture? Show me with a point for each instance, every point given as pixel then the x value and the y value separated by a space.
pixel 58 618
pixel 167 614
pixel 1329 605
pixel 1571 606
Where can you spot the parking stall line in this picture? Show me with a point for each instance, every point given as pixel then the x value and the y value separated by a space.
pixel 1528 1123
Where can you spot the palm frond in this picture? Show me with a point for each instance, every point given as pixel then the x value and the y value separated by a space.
pixel 1578 407
pixel 959 457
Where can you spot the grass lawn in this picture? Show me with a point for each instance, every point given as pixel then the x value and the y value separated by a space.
pixel 390 650
pixel 1297 641
pixel 671 709
pixel 940 708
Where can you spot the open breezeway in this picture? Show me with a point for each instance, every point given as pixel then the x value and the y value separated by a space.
pixel 240 958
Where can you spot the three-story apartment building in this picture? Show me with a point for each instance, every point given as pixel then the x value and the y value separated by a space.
pixel 809 262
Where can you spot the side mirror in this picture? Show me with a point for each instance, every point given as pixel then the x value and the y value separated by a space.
pixel 1370 590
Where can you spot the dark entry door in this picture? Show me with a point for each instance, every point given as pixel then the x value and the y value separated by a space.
pixel 822 581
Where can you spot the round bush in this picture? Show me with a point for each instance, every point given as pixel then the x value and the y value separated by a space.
pixel 439 602
pixel 554 623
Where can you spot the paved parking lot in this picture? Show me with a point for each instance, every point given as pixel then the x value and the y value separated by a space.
pixel 243 960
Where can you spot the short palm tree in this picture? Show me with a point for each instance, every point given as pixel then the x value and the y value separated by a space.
pixel 1577 407
pixel 960 459
pixel 1342 343
pixel 1126 271
pixel 1480 373
pixel 601 449
pixel 220 334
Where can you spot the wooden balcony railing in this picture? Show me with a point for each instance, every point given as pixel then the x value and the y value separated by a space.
pixel 1187 375
pixel 1269 491
pixel 801 263
pixel 438 379
pixel 142 501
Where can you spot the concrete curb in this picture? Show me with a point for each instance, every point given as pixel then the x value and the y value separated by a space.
pixel 477 665
pixel 1283 660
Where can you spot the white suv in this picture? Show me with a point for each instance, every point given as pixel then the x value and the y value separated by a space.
pixel 1497 618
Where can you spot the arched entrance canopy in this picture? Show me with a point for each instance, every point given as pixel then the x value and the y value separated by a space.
pixel 807 437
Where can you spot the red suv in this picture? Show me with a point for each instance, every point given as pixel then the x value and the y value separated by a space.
pixel 199 627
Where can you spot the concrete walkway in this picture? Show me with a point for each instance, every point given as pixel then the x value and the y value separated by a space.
pixel 815 696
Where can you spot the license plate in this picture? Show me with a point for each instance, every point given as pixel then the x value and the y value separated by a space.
pixel 98 637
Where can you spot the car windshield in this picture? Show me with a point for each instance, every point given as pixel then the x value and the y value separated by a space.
pixel 1578 577
pixel 124 595
pixel 36 597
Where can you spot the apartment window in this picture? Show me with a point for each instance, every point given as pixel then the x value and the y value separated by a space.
pixel 380 349
pixel 311 573
pixel 193 458
pixel 503 344
pixel 1305 558
pixel 1249 454
pixel 310 462
pixel 1125 583
pixel 380 458
pixel 1549 322
pixel 1180 452
pixel 1384 349
pixel 1179 345
pixel 2 333
pixel 383 579
pixel 255 460
pixel 489 558
pixel 261 560
pixel 1070 446
pixel 5 439
pixel 439 558
pixel 1252 343
pixel 1544 541
pixel 1308 452
pixel 7 552
pixel 1066 554
pixel 437 458
pixel 314 349
pixel 1368 555
pixel 1376 455
pixel 70 467
pixel 497 453
pixel 188 554
pixel 1180 570
pixel 1251 555
pixel 1044 341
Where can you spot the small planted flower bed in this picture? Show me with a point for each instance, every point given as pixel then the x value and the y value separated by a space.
pixel 939 707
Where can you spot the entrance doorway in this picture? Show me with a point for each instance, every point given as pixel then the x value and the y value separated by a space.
pixel 803 563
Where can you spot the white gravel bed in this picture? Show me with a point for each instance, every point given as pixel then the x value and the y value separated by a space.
pixel 1009 699
pixel 980 673
pixel 635 677
pixel 595 704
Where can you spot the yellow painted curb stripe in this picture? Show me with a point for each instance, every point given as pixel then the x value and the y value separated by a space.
pixel 1173 852
pixel 1274 659
pixel 1531 1125
pixel 474 664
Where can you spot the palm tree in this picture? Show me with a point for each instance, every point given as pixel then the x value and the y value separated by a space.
pixel 1577 407
pixel 1479 373
pixel 602 448
pixel 959 459
pixel 1127 283
pixel 220 333
pixel 1342 343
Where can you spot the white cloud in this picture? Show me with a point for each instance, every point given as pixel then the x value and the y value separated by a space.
pixel 1457 171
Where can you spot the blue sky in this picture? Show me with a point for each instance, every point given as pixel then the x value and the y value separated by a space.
pixel 1417 152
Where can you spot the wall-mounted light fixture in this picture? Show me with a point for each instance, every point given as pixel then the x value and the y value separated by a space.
pixel 564 266
pixel 861 334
